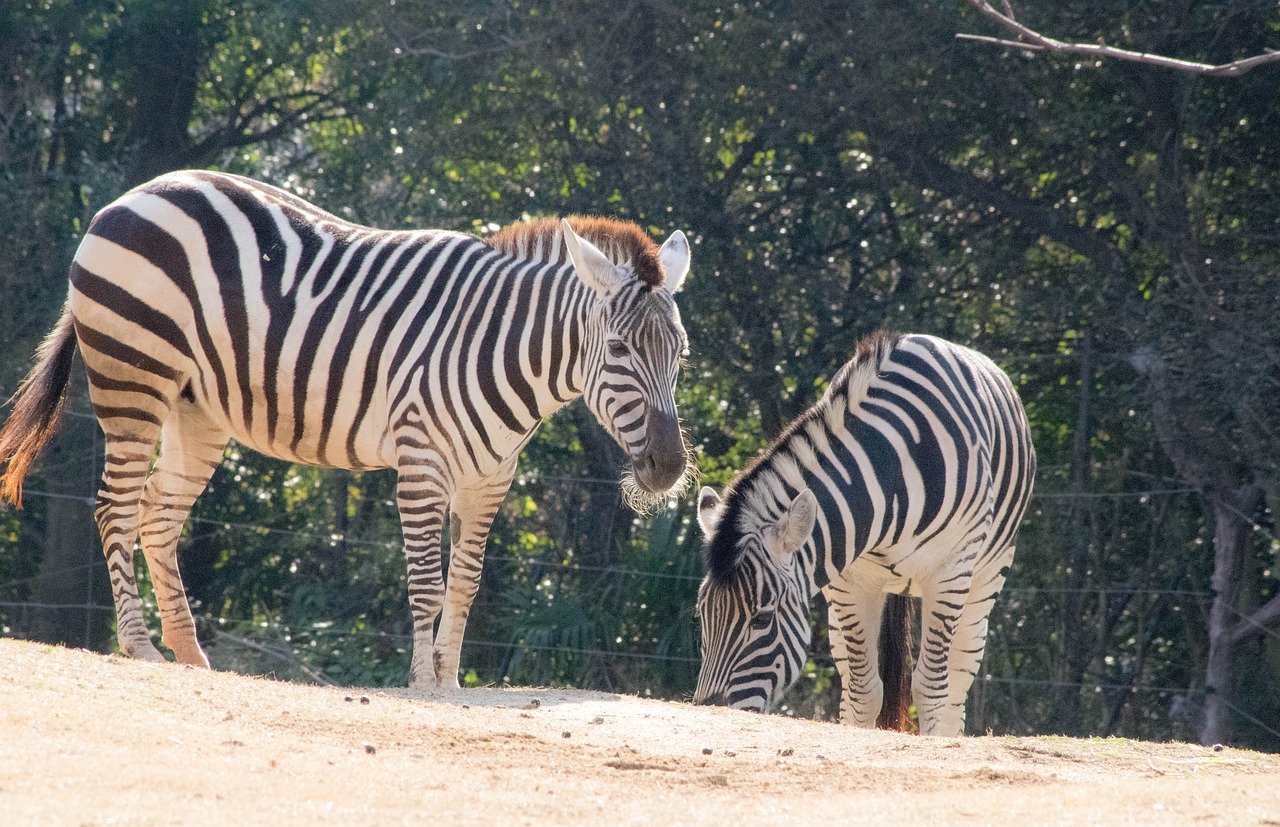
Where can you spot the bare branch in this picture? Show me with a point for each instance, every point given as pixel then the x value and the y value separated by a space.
pixel 505 45
pixel 1257 624
pixel 452 36
pixel 1033 41
pixel 293 109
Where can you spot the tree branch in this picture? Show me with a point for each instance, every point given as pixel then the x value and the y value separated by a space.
pixel 1031 40
pixel 1258 623
pixel 505 45
pixel 1035 217
pixel 293 110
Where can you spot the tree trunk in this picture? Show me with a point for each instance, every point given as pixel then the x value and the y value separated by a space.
pixel 606 522
pixel 1232 528
pixel 1075 642
pixel 1233 506
pixel 72 593
pixel 168 55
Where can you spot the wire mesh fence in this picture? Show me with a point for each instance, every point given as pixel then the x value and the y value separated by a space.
pixel 1020 666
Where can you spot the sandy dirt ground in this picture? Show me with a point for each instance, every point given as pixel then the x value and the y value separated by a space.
pixel 87 739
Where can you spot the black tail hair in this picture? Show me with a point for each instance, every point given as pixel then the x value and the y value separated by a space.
pixel 895 663
pixel 37 407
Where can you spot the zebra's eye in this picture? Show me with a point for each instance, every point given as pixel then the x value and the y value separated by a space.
pixel 618 349
pixel 762 620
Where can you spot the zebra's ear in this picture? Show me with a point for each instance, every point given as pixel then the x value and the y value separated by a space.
pixel 592 266
pixel 708 509
pixel 796 525
pixel 674 256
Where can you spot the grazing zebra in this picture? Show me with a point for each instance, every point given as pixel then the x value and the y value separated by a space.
pixel 909 476
pixel 210 307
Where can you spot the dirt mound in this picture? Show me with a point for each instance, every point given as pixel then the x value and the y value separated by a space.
pixel 87 739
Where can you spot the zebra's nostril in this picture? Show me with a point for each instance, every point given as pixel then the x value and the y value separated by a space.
pixel 716 699
pixel 657 471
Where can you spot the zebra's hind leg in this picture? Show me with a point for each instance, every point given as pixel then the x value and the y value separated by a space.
pixel 472 514
pixel 941 606
pixel 128 459
pixel 422 496
pixel 970 640
pixel 854 611
pixel 191 449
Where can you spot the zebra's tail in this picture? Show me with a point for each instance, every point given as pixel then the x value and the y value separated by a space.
pixel 37 408
pixel 895 666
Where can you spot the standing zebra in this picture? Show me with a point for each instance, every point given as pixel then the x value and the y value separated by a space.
pixel 209 307
pixel 909 476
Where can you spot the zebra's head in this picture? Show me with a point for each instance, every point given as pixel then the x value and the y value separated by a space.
pixel 632 348
pixel 753 604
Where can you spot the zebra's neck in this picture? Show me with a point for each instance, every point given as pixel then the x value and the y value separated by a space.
pixel 816 452
pixel 499 347
pixel 569 313
pixel 766 495
pixel 558 309
pixel 546 314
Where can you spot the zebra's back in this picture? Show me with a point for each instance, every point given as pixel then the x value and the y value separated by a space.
pixel 284 324
pixel 934 442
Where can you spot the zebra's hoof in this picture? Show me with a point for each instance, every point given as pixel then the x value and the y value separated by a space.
pixel 147 652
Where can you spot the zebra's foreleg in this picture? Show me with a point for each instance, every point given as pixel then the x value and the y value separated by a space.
pixel 191 449
pixel 422 496
pixel 471 517
pixel 853 621
pixel 128 459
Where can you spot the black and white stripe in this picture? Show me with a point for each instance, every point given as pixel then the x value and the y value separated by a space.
pixel 910 475
pixel 210 307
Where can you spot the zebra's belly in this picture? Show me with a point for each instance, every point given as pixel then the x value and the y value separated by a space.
pixel 888 571
pixel 312 451
pixel 282 435
pixel 901 568
pixel 899 584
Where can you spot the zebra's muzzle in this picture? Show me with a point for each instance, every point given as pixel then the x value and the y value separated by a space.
pixel 662 463
pixel 713 699
pixel 751 702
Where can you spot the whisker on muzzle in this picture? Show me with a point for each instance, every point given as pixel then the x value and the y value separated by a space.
pixel 645 502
